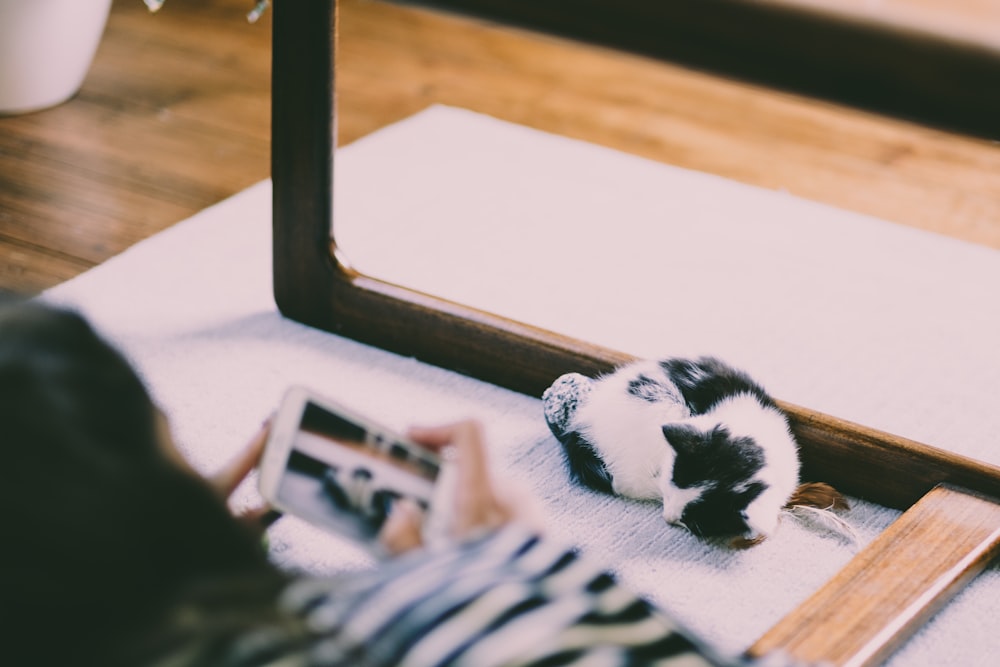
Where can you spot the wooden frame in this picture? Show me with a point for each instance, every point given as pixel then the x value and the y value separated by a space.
pixel 314 285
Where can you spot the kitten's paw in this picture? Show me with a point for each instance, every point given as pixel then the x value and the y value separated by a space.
pixel 562 399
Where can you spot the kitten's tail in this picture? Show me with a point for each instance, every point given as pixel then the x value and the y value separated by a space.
pixel 818 495
pixel 815 502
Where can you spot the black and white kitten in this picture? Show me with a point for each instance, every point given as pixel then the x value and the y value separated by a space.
pixel 699 434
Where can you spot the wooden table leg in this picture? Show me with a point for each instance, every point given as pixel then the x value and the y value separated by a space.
pixel 895 584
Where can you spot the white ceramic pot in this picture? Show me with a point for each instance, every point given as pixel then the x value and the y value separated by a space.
pixel 46 47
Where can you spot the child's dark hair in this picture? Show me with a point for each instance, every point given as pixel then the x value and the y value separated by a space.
pixel 102 530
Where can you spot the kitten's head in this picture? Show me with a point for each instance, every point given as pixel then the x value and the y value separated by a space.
pixel 711 482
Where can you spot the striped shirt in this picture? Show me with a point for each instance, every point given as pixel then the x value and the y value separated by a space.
pixel 510 598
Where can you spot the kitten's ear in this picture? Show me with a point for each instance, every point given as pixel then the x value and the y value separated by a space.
pixel 680 437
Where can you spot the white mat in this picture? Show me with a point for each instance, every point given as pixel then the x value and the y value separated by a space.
pixel 872 322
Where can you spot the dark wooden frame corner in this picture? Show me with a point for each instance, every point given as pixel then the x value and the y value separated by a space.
pixel 314 285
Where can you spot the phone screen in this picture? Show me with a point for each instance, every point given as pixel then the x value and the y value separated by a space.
pixel 342 476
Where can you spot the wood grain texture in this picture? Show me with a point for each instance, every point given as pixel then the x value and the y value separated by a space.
pixel 974 22
pixel 173 117
pixel 901 57
pixel 896 583
pixel 879 466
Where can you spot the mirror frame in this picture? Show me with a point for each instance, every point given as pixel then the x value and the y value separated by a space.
pixel 946 498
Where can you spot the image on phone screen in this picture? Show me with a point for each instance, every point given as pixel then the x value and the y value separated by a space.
pixel 341 476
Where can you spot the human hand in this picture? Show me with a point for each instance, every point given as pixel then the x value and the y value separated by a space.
pixel 476 507
pixel 231 475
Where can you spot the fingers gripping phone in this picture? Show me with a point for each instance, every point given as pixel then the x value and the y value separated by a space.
pixel 339 470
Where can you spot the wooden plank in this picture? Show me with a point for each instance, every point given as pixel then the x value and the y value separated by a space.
pixel 972 22
pixel 882 467
pixel 80 186
pixel 302 144
pixel 173 117
pixel 888 590
pixel 31 268
pixel 937 76
pixel 68 211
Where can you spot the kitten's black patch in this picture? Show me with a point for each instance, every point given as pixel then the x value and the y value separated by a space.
pixel 720 511
pixel 721 464
pixel 707 381
pixel 560 403
pixel 714 457
pixel 651 390
pixel 585 466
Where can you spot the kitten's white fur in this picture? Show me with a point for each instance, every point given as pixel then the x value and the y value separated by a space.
pixel 628 432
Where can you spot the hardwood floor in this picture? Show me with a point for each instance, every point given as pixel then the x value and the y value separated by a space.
pixel 174 116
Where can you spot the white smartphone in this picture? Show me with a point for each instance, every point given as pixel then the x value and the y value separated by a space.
pixel 339 470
